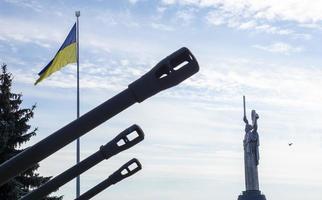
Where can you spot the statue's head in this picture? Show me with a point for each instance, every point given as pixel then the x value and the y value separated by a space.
pixel 248 128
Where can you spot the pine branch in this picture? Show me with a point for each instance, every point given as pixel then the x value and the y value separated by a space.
pixel 14 131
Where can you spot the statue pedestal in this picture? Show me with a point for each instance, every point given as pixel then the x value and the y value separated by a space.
pixel 252 195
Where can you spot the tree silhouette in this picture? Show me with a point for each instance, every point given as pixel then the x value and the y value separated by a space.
pixel 14 131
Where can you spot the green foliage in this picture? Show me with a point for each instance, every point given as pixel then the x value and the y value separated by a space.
pixel 15 131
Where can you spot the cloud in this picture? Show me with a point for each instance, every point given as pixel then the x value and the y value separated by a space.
pixel 292 10
pixel 238 21
pixel 271 17
pixel 133 1
pixel 112 18
pixel 162 27
pixel 25 31
pixel 269 83
pixel 279 47
pixel 33 5
pixel 186 16
pixel 248 25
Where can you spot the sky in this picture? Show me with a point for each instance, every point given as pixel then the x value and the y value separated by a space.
pixel 267 50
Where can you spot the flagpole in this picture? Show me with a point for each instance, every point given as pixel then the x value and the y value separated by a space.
pixel 77 14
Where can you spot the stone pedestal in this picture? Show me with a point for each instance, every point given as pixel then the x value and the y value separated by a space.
pixel 252 195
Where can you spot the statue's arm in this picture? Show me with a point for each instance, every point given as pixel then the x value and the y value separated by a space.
pixel 254 120
pixel 245 120
pixel 255 126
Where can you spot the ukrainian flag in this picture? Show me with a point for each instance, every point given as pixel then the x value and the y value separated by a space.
pixel 65 55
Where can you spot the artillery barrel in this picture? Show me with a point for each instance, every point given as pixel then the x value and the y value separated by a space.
pixel 169 72
pixel 118 144
pixel 122 173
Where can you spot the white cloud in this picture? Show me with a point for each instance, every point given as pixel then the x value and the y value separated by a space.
pixel 34 5
pixel 238 21
pixel 133 1
pixel 248 25
pixel 293 10
pixel 262 16
pixel 273 30
pixel 266 82
pixel 186 16
pixel 216 18
pixel 25 31
pixel 161 9
pixel 111 18
pixel 162 27
pixel 279 47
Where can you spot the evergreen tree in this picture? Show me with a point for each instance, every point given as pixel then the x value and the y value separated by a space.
pixel 14 131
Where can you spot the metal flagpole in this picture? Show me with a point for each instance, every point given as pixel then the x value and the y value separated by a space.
pixel 77 14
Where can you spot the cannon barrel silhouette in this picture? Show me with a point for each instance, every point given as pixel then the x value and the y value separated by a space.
pixel 169 72
pixel 115 146
pixel 122 173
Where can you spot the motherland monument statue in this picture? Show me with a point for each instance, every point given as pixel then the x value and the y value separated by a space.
pixel 251 158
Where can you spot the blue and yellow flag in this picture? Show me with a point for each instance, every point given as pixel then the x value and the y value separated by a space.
pixel 65 55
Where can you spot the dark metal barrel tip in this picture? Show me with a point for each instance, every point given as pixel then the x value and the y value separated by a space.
pixel 169 72
pixel 128 169
pixel 125 140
